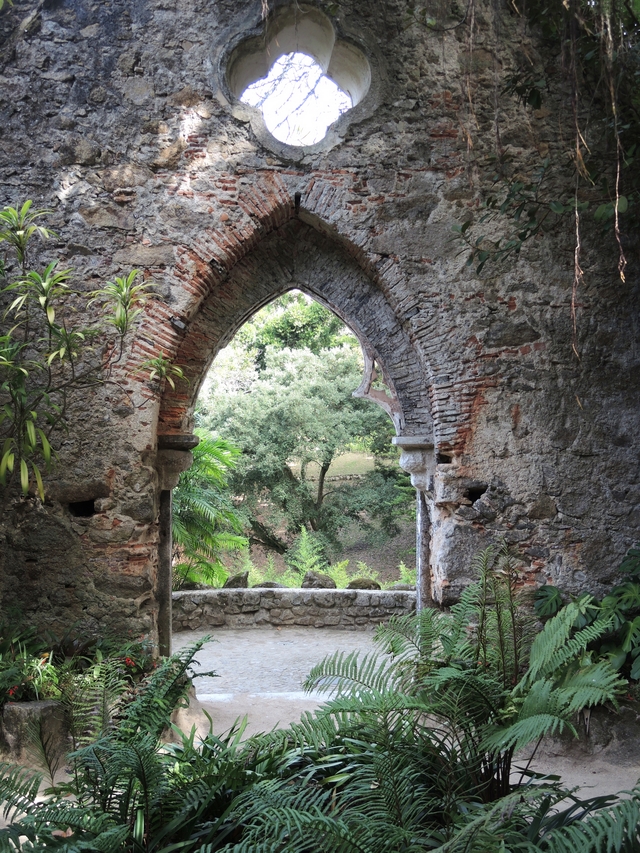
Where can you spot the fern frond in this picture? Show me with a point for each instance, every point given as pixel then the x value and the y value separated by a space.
pixel 18 788
pixel 554 646
pixel 159 694
pixel 525 731
pixel 342 673
pixel 611 830
pixel 593 684
pixel 414 636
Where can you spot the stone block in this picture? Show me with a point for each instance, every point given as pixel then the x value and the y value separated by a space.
pixel 324 600
pixel 21 724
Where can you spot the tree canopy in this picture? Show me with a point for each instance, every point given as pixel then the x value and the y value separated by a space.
pixel 285 398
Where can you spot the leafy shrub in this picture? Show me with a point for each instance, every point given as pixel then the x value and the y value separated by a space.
pixel 414 749
pixel 36 667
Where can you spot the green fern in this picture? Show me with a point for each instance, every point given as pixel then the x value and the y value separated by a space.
pixel 612 830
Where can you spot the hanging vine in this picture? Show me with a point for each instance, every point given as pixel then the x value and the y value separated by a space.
pixel 598 42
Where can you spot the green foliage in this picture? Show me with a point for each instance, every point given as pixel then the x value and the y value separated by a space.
pixel 123 301
pixel 161 369
pixel 45 357
pixel 205 522
pixel 619 609
pixel 306 554
pixel 407 575
pixel 36 666
pixel 19 226
pixel 411 752
pixel 293 321
pixel 126 792
pixel 291 421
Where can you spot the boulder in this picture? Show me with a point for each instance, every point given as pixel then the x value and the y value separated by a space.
pixel 269 585
pixel 316 580
pixel 240 581
pixel 363 583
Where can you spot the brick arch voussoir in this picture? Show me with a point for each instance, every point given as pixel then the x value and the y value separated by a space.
pixel 206 285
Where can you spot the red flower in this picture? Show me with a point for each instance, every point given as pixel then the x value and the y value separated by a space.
pixel 13 690
pixel 129 662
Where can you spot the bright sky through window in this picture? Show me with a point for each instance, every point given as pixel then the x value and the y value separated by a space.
pixel 297 101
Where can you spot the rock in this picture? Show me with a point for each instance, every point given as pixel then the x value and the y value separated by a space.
pixel 125 175
pixel 136 255
pixel 544 507
pixel 169 157
pixel 402 587
pixel 240 581
pixel 317 580
pixel 269 585
pixel 363 583
pixel 186 97
pixel 107 216
pixel 80 151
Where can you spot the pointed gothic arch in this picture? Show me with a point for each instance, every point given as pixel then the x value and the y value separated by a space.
pixel 227 288
pixel 296 255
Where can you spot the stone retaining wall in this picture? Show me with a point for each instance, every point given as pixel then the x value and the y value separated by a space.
pixel 349 609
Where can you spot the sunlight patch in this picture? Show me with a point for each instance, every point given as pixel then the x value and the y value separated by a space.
pixel 297 100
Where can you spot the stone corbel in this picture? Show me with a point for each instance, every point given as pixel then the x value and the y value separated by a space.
pixel 417 459
pixel 174 456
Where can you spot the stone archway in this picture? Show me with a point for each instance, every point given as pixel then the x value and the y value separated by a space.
pixel 297 255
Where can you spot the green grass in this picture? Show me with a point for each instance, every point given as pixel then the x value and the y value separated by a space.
pixel 350 463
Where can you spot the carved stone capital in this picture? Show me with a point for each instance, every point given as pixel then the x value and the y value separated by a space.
pixel 170 464
pixel 418 460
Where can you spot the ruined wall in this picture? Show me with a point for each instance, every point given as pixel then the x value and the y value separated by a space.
pixel 117 116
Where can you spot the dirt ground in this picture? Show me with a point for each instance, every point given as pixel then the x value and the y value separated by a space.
pixel 260 674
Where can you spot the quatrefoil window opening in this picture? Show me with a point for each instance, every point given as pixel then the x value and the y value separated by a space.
pixel 300 73
pixel 298 102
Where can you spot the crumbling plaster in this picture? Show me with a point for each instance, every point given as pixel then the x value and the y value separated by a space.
pixel 116 116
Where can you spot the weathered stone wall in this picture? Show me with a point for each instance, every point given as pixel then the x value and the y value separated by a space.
pixel 347 609
pixel 117 117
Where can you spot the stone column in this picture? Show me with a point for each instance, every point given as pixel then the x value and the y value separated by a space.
pixel 418 460
pixel 164 581
pixel 174 457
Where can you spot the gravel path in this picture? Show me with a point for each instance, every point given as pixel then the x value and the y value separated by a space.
pixel 260 674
